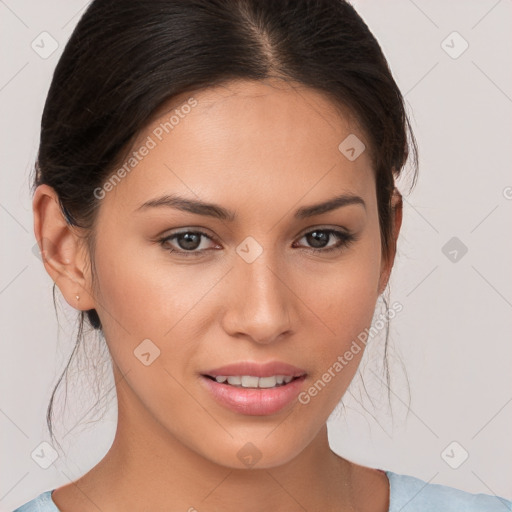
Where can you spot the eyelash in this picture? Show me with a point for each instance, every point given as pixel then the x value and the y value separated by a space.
pixel 345 239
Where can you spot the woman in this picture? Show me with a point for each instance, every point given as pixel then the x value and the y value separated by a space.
pixel 215 192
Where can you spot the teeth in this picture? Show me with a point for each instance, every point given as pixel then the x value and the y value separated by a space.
pixel 266 382
pixel 249 381
pixel 235 381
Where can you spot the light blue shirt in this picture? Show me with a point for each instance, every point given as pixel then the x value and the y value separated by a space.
pixel 406 494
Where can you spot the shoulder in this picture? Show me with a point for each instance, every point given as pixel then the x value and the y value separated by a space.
pixel 41 503
pixel 411 494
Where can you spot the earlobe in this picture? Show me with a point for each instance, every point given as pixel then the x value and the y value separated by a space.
pixel 62 249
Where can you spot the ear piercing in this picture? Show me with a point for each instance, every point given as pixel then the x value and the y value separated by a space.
pixel 77 297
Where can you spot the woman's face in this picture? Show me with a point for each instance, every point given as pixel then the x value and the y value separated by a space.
pixel 252 288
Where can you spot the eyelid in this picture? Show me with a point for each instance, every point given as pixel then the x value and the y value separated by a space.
pixel 198 231
pixel 189 229
pixel 325 228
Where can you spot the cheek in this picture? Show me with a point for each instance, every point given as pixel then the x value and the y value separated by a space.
pixel 348 313
pixel 139 299
pixel 145 297
pixel 344 299
pixel 345 293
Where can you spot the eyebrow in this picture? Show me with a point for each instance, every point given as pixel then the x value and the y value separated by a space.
pixel 213 210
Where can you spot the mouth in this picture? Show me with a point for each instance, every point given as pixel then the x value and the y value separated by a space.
pixel 250 395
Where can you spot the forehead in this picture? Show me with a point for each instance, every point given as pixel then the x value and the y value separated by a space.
pixel 245 138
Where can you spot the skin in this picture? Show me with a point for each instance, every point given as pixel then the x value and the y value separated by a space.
pixel 262 150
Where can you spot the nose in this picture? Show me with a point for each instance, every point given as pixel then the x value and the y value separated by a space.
pixel 259 301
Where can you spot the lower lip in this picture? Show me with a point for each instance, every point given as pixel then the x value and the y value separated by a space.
pixel 254 401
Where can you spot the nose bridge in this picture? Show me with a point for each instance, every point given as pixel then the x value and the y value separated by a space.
pixel 261 306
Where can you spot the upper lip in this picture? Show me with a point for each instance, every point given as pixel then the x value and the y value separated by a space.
pixel 257 369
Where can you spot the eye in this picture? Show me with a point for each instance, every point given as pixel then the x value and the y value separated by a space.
pixel 319 239
pixel 189 242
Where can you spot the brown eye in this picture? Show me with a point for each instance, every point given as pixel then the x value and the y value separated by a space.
pixel 189 241
pixel 318 239
pixel 185 242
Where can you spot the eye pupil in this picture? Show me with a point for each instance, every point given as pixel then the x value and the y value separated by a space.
pixel 318 236
pixel 191 240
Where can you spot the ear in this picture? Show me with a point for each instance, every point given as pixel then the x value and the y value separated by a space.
pixel 63 250
pixel 388 260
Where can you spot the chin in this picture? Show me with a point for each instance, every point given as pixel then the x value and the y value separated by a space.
pixel 255 452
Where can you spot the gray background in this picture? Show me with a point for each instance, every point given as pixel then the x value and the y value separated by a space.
pixel 454 333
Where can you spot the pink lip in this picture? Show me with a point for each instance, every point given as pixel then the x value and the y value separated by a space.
pixel 253 401
pixel 257 370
